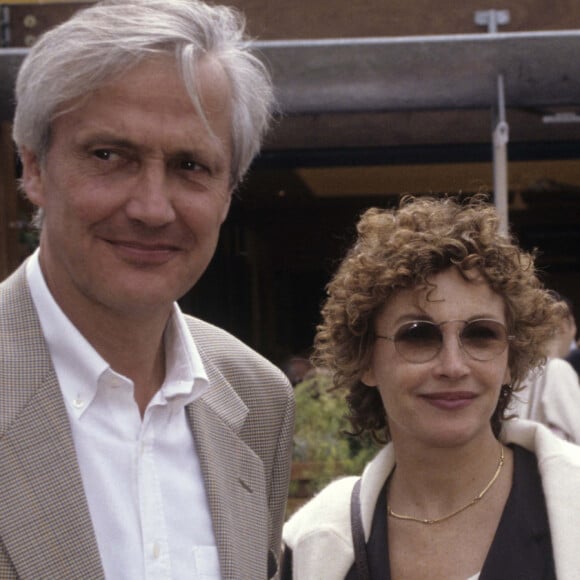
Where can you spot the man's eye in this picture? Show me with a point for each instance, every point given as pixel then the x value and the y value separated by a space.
pixel 190 165
pixel 103 154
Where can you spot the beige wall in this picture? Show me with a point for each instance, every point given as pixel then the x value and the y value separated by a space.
pixel 270 19
pixel 275 19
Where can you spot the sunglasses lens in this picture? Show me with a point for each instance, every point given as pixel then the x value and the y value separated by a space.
pixel 418 341
pixel 484 339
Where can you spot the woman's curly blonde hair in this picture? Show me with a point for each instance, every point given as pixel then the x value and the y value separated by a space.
pixel 402 248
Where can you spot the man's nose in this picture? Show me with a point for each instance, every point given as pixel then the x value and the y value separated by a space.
pixel 150 200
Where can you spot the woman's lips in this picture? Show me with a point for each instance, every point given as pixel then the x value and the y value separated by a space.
pixel 450 400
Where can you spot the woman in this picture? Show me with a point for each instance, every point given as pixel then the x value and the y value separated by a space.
pixel 430 324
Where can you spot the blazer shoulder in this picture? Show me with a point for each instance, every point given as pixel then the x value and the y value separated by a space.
pixel 234 359
pixel 24 358
pixel 212 338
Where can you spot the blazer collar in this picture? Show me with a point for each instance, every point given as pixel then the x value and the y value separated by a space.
pixel 221 397
pixel 233 473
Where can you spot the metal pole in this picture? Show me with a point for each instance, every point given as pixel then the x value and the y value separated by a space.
pixel 500 172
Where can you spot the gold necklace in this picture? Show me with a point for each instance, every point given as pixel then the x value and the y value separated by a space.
pixel 397 516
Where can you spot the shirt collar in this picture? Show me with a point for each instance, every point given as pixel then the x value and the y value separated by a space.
pixel 80 368
pixel 185 378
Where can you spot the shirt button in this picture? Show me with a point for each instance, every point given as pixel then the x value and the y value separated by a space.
pixel 156 550
pixel 78 403
pixel 116 383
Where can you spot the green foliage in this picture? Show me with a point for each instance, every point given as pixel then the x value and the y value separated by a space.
pixel 29 235
pixel 320 439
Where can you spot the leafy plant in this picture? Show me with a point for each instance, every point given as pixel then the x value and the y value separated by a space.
pixel 323 450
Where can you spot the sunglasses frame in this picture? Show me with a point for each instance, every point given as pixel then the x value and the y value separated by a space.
pixel 438 325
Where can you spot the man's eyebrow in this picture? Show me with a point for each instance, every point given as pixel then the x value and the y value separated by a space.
pixel 108 139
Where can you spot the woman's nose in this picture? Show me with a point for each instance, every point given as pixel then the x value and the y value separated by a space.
pixel 452 360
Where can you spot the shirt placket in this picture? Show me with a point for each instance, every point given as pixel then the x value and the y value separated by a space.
pixel 154 532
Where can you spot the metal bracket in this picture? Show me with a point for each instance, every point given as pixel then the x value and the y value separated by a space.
pixel 492 19
pixel 560 118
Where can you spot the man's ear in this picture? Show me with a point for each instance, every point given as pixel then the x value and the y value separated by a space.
pixel 32 180
pixel 227 205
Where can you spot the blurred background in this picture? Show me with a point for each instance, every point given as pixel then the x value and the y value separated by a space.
pixel 376 99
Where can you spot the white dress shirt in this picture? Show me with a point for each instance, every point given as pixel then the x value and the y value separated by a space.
pixel 142 477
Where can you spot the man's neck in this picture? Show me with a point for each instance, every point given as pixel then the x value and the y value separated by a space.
pixel 133 347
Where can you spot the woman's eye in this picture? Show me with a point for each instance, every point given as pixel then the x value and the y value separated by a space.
pixel 418 332
pixel 482 332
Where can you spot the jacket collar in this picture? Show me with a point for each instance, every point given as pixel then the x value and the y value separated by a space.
pixel 373 480
pixel 559 466
pixel 237 485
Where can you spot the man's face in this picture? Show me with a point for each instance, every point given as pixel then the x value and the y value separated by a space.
pixel 134 190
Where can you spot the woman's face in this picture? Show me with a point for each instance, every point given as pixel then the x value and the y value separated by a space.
pixel 449 399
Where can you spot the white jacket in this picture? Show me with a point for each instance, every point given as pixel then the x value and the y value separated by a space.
pixel 319 534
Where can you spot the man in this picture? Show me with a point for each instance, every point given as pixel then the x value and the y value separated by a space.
pixel 135 442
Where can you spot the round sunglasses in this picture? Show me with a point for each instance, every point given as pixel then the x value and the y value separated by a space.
pixel 420 341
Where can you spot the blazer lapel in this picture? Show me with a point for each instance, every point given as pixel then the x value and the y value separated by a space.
pixel 45 524
pixel 234 479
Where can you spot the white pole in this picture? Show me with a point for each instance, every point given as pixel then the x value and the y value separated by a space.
pixel 500 171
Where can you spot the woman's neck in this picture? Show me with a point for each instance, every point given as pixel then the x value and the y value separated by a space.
pixel 432 482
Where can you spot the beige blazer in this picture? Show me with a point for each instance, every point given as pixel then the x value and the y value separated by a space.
pixel 242 427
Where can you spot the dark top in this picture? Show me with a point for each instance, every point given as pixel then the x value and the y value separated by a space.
pixel 522 546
